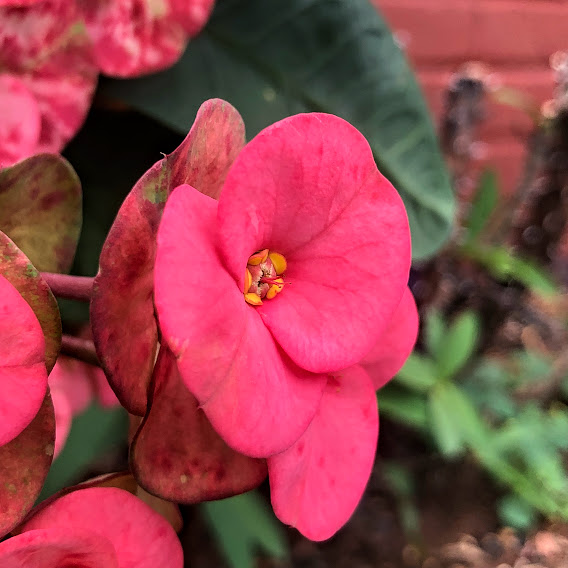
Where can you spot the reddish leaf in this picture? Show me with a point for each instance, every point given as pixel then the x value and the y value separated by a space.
pixel 122 310
pixel 177 455
pixel 40 210
pixel 24 463
pixel 20 272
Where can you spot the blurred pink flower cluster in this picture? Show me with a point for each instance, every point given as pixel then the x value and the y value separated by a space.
pixel 51 52
pixel 73 386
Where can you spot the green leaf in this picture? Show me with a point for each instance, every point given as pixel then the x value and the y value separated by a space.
pixel 273 59
pixel 93 433
pixel 244 525
pixel 454 420
pixel 483 205
pixel 515 512
pixel 435 332
pixel 418 373
pixel 504 265
pixel 404 407
pixel 459 344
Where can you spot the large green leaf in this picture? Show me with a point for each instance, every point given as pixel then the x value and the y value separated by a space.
pixel 271 59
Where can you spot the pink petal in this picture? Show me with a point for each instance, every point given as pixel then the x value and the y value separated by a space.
pixel 177 455
pixel 192 14
pixel 136 37
pixel 71 376
pixel 20 121
pixel 105 394
pixel 18 2
pixel 395 345
pixel 23 376
pixel 308 188
pixel 63 417
pixel 316 484
pixel 55 548
pixel 45 46
pixel 141 537
pixel 256 399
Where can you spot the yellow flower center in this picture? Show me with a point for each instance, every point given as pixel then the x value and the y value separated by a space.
pixel 263 276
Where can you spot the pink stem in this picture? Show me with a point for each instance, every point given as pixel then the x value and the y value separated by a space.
pixel 70 287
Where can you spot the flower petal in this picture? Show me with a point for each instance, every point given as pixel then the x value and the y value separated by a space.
pixel 122 308
pixel 70 376
pixel 63 417
pixel 47 47
pixel 23 376
pixel 57 547
pixel 395 345
pixel 20 121
pixel 256 399
pixel 316 484
pixel 308 188
pixel 136 37
pixel 177 455
pixel 141 537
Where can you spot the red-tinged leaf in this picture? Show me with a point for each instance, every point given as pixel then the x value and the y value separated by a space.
pixel 24 463
pixel 177 455
pixel 22 274
pixel 122 309
pixel 40 210
pixel 46 46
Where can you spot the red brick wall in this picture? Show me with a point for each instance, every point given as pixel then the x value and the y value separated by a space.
pixel 514 37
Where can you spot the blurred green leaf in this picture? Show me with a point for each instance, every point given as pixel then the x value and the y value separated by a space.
pixel 400 480
pixel 243 526
pixel 482 206
pixel 459 344
pixel 515 512
pixel 454 420
pixel 504 265
pixel 274 59
pixel 435 332
pixel 93 433
pixel 489 388
pixel 405 407
pixel 418 373
pixel 444 423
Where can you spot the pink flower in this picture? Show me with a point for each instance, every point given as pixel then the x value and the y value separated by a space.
pixel 136 37
pixel 52 51
pixel 91 528
pixel 73 385
pixel 269 298
pixel 48 77
pixel 23 375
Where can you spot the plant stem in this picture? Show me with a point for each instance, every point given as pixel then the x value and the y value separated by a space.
pixel 79 348
pixel 70 287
